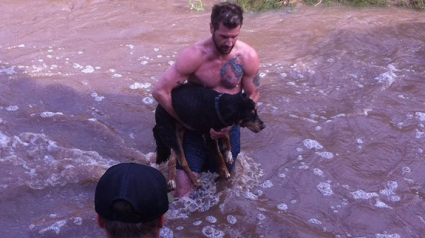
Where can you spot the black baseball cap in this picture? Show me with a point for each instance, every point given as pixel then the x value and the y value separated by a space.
pixel 144 187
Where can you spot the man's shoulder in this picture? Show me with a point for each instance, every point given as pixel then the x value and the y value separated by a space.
pixel 246 50
pixel 199 48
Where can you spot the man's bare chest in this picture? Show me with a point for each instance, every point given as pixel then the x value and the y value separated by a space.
pixel 220 73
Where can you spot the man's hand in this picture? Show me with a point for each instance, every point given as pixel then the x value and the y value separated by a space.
pixel 219 134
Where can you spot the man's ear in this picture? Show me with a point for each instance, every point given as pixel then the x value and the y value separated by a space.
pixel 211 28
pixel 100 221
pixel 161 221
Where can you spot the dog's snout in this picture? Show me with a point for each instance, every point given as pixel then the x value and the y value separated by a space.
pixel 263 125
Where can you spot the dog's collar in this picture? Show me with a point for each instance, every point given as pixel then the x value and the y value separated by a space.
pixel 217 109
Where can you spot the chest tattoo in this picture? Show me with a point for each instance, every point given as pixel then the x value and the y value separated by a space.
pixel 231 73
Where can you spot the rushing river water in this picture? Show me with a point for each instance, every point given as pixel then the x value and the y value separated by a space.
pixel 342 94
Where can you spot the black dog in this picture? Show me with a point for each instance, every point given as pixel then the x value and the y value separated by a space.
pixel 201 109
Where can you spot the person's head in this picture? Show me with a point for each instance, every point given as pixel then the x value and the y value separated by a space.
pixel 131 200
pixel 226 22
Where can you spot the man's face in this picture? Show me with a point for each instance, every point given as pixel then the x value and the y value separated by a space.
pixel 225 38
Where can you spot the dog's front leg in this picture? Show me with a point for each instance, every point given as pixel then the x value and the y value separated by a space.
pixel 172 171
pixel 225 141
pixel 215 154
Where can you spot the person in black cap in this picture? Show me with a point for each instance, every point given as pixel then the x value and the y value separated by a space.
pixel 131 200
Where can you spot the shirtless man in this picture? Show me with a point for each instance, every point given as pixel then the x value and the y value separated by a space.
pixel 221 63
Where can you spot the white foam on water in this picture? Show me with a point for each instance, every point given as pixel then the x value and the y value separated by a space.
pixel 200 200
pixel 78 221
pixel 312 144
pixel 388 236
pixel 212 232
pixel 171 62
pixel 180 228
pixel 318 172
pixel 303 166
pixel 388 77
pixel 325 154
pixel 247 176
pixel 12 108
pixel 197 223
pixel 231 219
pixel 420 115
pixel 406 169
pixel 50 165
pixel 50 114
pixel 281 175
pixel 261 216
pixel 147 100
pixel 314 221
pixel 267 184
pixel 419 134
pixel 55 227
pixel 360 194
pixel 325 189
pixel 166 232
pixel 381 204
pixel 4 140
pixel 96 97
pixel 8 71
pixel 389 192
pixel 250 195
pixel 89 69
pixel 211 219
pixel 339 115
pixel 77 66
pixel 282 206
pixel 140 85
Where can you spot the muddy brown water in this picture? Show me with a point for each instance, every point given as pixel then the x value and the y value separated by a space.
pixel 342 94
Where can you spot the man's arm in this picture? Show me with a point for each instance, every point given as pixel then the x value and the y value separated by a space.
pixel 251 77
pixel 176 75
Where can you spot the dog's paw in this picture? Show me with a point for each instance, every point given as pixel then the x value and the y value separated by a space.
pixel 197 183
pixel 229 158
pixel 171 185
pixel 224 174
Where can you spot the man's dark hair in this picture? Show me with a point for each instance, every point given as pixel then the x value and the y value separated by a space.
pixel 129 230
pixel 230 14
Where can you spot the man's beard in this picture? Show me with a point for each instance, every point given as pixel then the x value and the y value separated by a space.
pixel 220 49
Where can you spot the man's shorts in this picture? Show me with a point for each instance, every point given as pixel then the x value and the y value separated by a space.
pixel 197 155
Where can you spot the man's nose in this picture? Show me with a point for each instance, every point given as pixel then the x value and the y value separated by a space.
pixel 229 42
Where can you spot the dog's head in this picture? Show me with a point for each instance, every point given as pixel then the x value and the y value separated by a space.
pixel 248 114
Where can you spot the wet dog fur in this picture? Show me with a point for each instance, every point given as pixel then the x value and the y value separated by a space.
pixel 201 109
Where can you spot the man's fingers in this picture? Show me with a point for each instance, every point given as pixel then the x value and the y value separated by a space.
pixel 219 134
